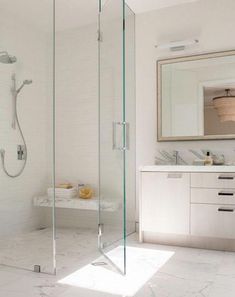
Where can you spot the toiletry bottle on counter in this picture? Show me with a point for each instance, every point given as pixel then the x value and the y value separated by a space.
pixel 208 159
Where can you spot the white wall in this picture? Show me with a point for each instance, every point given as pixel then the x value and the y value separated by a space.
pixel 77 106
pixel 77 115
pixel 212 22
pixel 30 45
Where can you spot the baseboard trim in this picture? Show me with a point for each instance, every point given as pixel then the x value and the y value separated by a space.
pixel 189 241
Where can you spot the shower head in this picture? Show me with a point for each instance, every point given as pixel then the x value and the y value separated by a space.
pixel 25 82
pixel 5 58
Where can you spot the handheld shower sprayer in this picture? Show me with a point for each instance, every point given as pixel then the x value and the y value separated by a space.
pixel 25 82
pixel 15 123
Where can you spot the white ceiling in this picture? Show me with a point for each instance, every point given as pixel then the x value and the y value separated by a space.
pixel 71 13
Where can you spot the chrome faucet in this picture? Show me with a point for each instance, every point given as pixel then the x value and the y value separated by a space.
pixel 176 156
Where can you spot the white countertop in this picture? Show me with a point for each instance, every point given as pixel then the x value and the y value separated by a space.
pixel 188 168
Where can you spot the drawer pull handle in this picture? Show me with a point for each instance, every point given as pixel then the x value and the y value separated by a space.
pixel 226 209
pixel 226 177
pixel 226 194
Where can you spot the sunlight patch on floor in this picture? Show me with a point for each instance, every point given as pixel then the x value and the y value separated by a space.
pixel 142 264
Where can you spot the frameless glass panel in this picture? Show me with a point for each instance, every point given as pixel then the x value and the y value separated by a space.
pixel 112 154
pixel 26 142
pixel 130 113
pixel 117 130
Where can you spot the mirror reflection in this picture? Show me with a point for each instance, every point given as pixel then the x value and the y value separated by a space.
pixel 196 97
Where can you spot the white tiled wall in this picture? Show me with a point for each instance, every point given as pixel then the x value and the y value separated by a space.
pixel 77 115
pixel 77 106
pixel 30 45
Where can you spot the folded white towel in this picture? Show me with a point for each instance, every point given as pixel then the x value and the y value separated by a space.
pixel 63 193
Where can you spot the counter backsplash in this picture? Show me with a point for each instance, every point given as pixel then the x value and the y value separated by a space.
pixel 188 156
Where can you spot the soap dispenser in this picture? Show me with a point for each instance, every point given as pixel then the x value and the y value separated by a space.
pixel 208 159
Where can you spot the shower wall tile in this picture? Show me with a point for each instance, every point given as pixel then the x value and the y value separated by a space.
pixel 30 45
pixel 77 115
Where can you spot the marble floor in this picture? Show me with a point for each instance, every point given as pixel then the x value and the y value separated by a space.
pixel 154 270
pixel 36 248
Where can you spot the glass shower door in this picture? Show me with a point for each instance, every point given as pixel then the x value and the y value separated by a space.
pixel 113 133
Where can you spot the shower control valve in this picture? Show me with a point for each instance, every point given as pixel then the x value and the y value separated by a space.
pixel 21 152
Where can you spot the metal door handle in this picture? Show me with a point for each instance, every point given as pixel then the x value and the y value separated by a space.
pixel 126 132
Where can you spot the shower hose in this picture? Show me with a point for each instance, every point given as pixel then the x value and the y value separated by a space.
pixel 2 151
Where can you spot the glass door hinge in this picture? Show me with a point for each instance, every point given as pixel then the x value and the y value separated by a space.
pixel 100 229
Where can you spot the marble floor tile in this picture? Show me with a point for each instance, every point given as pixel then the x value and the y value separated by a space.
pixel 170 286
pixel 80 292
pixel 190 270
pixel 7 277
pixel 223 286
pixel 187 273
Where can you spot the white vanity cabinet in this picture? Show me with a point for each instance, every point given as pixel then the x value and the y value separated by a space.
pixel 188 205
pixel 165 203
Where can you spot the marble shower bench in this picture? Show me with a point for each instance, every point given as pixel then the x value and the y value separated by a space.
pixel 76 203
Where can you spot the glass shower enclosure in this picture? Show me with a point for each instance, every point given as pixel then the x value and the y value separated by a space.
pixel 116 129
pixel 41 95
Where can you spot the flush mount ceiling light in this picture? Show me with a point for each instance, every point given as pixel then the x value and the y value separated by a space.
pixel 179 45
pixel 225 106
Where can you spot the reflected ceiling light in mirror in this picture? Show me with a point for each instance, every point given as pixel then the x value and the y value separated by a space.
pixel 178 45
pixel 225 106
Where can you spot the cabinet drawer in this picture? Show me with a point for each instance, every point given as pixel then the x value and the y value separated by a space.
pixel 213 196
pixel 216 221
pixel 213 180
